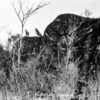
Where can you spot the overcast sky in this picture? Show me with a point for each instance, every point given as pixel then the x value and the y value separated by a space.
pixel 45 15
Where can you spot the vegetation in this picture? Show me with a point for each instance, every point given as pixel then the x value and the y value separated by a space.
pixel 44 68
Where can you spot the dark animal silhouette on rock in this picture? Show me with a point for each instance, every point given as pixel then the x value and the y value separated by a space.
pixel 38 33
pixel 27 33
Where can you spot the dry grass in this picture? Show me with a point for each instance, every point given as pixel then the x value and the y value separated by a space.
pixel 62 89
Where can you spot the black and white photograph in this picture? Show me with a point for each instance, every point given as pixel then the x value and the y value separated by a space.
pixel 49 50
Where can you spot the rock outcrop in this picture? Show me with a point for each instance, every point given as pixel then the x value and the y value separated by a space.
pixel 82 36
pixel 68 36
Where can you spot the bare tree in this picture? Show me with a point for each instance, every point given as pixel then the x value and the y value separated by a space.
pixel 23 17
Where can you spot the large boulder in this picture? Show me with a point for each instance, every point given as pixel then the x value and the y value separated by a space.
pixel 85 34
pixel 82 36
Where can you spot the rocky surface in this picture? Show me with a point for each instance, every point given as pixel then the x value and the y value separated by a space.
pixel 83 37
pixel 85 34
pixel 68 32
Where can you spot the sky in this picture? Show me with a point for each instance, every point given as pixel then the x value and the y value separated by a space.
pixel 9 21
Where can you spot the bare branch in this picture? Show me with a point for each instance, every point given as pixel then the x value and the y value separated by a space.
pixel 28 17
pixel 38 7
pixel 31 11
pixel 17 13
pixel 21 7
pixel 23 17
